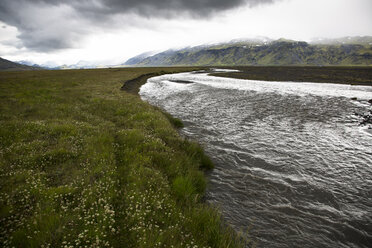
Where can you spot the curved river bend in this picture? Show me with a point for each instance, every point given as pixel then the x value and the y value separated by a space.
pixel 292 164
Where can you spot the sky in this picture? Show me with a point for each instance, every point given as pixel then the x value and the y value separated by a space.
pixel 111 31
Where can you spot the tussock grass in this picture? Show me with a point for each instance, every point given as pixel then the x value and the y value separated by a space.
pixel 83 164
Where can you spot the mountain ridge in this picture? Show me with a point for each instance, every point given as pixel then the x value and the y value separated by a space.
pixel 7 65
pixel 354 51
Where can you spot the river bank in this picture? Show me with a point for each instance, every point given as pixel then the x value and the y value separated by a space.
pixel 353 75
pixel 83 163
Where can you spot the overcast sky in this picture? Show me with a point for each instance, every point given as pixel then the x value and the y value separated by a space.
pixel 111 31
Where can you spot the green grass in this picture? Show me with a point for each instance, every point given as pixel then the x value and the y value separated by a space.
pixel 177 123
pixel 83 163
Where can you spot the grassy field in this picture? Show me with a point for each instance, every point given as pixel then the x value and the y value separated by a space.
pixel 84 164
pixel 329 74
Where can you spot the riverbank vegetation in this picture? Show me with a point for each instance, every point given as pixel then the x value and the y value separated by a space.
pixel 85 164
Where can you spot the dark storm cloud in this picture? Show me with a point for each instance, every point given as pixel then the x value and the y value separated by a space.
pixel 161 7
pixel 46 25
pixel 151 7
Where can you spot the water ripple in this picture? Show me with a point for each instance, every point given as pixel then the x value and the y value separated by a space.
pixel 292 164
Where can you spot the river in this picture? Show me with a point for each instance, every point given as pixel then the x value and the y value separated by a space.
pixel 292 163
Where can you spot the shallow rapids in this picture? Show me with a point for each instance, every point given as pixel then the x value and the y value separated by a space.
pixel 292 163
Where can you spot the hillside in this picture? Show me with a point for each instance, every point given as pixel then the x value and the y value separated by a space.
pixel 354 51
pixel 137 59
pixel 6 65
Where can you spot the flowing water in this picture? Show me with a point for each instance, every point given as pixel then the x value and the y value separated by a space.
pixel 292 164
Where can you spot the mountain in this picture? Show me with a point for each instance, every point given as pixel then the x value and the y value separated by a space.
pixel 346 51
pixel 361 40
pixel 82 64
pixel 27 62
pixel 137 59
pixel 51 65
pixel 6 65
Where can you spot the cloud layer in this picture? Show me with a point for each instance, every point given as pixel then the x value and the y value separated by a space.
pixel 48 25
